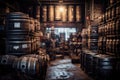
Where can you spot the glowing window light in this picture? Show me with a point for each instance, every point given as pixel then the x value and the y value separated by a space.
pixel 61 8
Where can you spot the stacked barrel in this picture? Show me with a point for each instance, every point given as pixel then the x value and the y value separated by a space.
pixel 23 52
pixel 93 37
pixel 109 30
pixel 18 30
pixel 34 65
pixel 109 33
pixel 104 64
pixel 99 66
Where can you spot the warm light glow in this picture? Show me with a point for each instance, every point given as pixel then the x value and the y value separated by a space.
pixel 61 8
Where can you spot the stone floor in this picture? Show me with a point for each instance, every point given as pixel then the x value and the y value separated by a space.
pixel 63 69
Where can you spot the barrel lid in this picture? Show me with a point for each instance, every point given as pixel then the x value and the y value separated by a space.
pixel 105 57
pixel 17 15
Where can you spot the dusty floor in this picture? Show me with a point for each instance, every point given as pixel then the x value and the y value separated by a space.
pixel 63 69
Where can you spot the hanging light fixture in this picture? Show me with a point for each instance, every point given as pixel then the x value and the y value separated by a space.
pixel 61 8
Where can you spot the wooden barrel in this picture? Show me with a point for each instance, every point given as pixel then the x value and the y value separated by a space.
pixel 93 32
pixel 28 65
pixel 106 67
pixel 17 22
pixel 117 28
pixel 94 71
pixel 37 35
pixel 7 60
pixel 37 25
pixel 89 63
pixel 93 44
pixel 18 47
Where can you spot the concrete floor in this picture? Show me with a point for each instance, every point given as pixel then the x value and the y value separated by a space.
pixel 63 69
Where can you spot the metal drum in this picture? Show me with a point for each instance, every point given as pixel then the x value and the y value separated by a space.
pixel 105 67
pixel 94 69
pixel 93 32
pixel 82 60
pixel 28 65
pixel 18 47
pixel 17 23
pixel 89 63
pixel 19 30
pixel 43 60
pixel 7 60
pixel 93 44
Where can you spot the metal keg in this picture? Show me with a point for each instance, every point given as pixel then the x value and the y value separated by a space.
pixel 7 60
pixel 94 32
pixel 89 63
pixel 105 67
pixel 94 71
pixel 93 44
pixel 17 22
pixel 18 47
pixel 43 60
pixel 28 65
pixel 82 60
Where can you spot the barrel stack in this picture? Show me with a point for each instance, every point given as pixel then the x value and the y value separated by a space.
pixel 23 52
pixel 18 30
